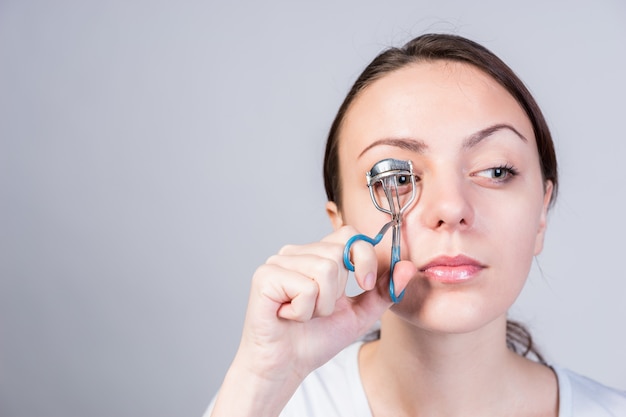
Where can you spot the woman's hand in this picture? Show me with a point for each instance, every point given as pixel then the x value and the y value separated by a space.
pixel 299 317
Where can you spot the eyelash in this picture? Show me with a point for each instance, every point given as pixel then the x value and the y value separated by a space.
pixel 509 170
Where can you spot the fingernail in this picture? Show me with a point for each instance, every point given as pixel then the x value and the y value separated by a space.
pixel 369 281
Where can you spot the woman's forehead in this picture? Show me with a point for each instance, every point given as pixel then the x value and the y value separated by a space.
pixel 430 100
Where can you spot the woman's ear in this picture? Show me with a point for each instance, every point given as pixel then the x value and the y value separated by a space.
pixel 334 214
pixel 543 220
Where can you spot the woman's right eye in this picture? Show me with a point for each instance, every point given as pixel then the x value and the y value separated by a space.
pixel 403 179
pixel 399 188
pixel 405 182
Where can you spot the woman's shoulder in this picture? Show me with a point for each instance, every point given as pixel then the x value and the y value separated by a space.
pixel 334 389
pixel 580 396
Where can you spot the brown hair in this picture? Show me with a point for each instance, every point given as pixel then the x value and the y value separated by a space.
pixel 455 48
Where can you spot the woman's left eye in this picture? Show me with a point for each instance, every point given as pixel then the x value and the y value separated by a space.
pixel 498 174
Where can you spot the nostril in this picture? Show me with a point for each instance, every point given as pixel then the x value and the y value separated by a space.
pixel 443 222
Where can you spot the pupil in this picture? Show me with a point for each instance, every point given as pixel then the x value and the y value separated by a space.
pixel 402 180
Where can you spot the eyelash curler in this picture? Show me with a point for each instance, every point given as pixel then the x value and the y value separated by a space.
pixel 387 182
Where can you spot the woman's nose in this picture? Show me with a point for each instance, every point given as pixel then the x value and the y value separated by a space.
pixel 444 204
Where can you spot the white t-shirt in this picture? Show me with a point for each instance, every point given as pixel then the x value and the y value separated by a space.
pixel 335 389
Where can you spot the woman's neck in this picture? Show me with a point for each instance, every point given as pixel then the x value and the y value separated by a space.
pixel 415 372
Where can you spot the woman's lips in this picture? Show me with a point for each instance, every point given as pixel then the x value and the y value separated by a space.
pixel 448 269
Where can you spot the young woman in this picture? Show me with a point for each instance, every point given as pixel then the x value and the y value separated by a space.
pixel 486 175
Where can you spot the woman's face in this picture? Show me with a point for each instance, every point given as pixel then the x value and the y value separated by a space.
pixel 480 214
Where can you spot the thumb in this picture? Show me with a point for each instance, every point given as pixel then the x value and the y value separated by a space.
pixel 403 273
pixel 370 305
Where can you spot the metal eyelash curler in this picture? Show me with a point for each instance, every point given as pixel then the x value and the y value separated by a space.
pixel 386 182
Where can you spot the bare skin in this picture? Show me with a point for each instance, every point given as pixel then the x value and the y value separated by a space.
pixel 498 383
pixel 468 243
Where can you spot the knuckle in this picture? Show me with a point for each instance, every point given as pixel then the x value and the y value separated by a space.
pixel 286 249
pixel 327 268
pixel 272 260
pixel 262 274
pixel 341 235
pixel 309 289
pixel 348 231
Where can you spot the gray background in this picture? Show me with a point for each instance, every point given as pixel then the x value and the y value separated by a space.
pixel 153 153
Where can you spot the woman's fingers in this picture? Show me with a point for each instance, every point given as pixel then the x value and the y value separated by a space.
pixel 307 280
pixel 370 305
pixel 303 295
pixel 311 273
pixel 363 257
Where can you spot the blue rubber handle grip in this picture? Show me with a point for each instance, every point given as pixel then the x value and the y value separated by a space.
pixel 346 250
pixel 395 257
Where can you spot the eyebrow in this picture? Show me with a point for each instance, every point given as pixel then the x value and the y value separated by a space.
pixel 419 146
pixel 413 145
pixel 477 137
